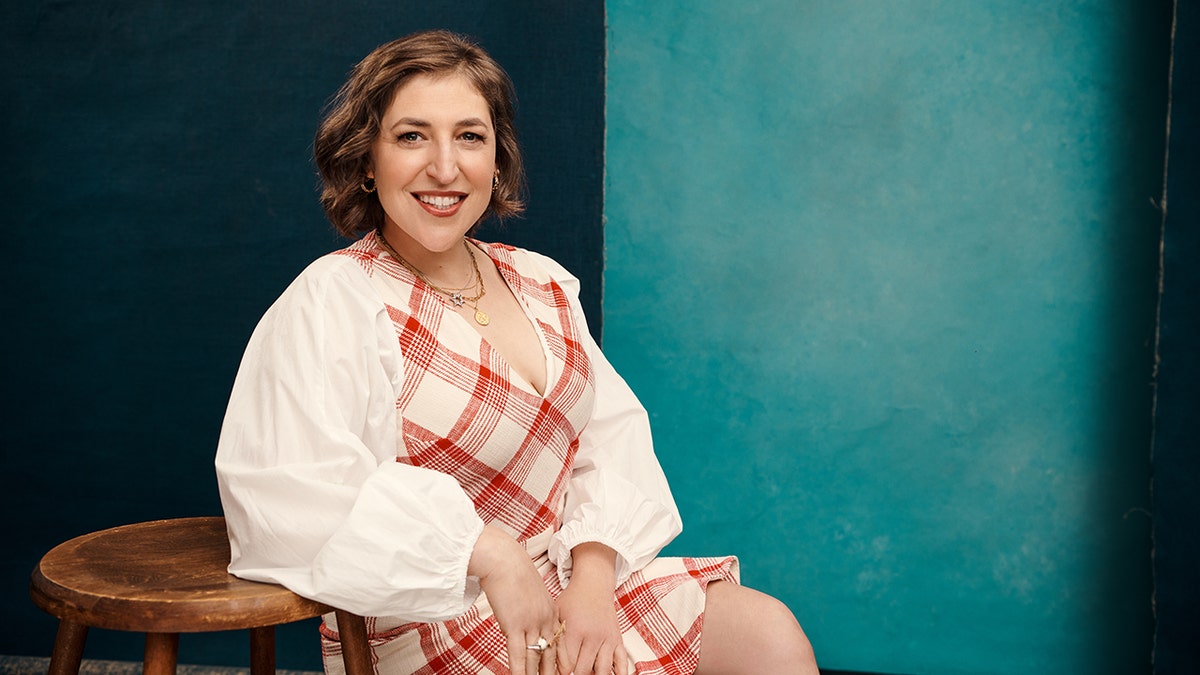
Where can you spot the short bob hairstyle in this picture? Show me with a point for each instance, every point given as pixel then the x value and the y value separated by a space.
pixel 342 148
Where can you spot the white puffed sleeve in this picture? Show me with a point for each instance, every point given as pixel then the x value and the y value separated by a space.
pixel 306 463
pixel 617 495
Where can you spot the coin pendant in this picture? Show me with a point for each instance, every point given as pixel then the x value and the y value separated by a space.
pixel 482 318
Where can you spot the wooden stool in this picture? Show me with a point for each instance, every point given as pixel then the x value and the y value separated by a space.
pixel 167 577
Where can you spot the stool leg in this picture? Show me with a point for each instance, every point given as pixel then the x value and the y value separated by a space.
pixel 356 654
pixel 68 648
pixel 262 650
pixel 161 651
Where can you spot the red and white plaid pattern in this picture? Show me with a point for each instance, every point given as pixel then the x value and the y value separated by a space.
pixel 463 411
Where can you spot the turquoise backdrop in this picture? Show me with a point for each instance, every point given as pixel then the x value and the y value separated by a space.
pixel 884 274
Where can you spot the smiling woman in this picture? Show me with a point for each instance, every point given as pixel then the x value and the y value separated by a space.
pixel 433 164
pixel 346 141
pixel 422 430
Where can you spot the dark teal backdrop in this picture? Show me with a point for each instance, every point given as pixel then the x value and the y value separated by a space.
pixel 158 194
pixel 1176 487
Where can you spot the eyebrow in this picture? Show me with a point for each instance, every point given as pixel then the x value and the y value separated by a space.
pixel 422 124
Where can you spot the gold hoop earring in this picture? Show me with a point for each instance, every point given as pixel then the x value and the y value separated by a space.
pixel 367 185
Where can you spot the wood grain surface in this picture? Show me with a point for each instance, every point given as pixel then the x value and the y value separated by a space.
pixel 166 576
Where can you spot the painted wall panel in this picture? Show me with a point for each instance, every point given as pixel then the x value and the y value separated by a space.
pixel 159 194
pixel 884 275
pixel 1177 424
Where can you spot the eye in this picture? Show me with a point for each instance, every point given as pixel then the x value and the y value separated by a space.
pixel 473 137
pixel 408 137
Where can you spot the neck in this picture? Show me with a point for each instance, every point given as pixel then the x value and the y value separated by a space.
pixel 451 267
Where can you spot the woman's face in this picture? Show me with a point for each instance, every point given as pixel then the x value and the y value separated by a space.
pixel 433 162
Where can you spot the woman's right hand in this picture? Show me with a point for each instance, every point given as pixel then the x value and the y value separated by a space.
pixel 519 599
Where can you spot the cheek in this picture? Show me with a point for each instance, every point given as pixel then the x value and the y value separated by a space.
pixel 392 167
pixel 482 168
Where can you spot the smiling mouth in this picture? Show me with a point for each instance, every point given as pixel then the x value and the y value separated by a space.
pixel 441 202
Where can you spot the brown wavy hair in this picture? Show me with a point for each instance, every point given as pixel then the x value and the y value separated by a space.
pixel 342 148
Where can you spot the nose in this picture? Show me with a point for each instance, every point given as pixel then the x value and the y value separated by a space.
pixel 443 165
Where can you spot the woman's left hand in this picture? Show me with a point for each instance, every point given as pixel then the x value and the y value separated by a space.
pixel 591 644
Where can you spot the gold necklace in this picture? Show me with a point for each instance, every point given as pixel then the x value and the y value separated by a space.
pixel 456 296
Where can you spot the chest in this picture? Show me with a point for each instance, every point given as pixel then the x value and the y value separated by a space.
pixel 513 328
pixel 525 359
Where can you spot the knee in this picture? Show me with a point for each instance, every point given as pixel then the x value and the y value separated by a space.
pixel 751 633
pixel 783 636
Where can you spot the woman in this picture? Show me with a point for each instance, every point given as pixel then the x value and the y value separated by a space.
pixel 423 432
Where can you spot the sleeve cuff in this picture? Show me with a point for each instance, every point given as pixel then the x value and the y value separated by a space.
pixel 575 533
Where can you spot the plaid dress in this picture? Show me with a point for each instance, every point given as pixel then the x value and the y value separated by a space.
pixel 530 464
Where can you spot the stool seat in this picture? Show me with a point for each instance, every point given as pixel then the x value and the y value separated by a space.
pixel 163 578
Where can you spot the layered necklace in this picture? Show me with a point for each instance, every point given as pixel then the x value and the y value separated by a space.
pixel 456 296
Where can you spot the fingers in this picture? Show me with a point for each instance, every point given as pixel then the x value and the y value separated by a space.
pixel 533 657
pixel 597 659
pixel 586 659
pixel 604 661
pixel 567 650
pixel 525 659
pixel 549 659
pixel 586 662
pixel 567 647
pixel 517 647
pixel 553 665
pixel 621 661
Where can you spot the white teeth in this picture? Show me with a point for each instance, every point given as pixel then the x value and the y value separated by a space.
pixel 439 202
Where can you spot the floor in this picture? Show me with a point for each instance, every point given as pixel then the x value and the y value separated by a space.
pixel 29 665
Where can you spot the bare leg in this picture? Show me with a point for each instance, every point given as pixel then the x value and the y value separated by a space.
pixel 750 633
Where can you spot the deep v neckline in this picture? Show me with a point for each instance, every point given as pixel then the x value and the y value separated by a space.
pixel 512 285
pixel 506 270
pixel 472 344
